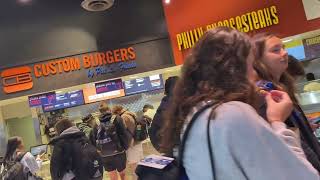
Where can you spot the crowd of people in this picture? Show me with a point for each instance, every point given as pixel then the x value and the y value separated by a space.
pixel 233 108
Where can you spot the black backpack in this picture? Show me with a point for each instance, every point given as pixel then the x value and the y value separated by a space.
pixel 107 139
pixel 86 161
pixel 175 170
pixel 13 170
pixel 141 128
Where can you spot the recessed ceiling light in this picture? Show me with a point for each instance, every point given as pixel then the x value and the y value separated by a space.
pixel 24 1
pixel 167 1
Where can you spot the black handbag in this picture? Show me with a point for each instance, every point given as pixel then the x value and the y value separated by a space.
pixel 175 170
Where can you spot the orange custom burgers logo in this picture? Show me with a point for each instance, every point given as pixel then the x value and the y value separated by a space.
pixel 16 79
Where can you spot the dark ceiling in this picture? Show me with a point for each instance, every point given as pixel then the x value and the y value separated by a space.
pixel 48 29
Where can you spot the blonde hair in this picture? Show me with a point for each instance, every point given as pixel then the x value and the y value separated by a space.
pixel 103 107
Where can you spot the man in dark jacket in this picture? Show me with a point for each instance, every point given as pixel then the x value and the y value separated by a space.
pixel 66 156
pixel 111 140
pixel 157 122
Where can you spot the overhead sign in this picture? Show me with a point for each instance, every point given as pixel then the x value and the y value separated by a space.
pixel 251 21
pixel 283 18
pixel 312 47
pixel 97 63
pixel 85 61
pixel 17 79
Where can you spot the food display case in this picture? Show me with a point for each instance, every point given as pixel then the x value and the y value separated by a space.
pixel 310 104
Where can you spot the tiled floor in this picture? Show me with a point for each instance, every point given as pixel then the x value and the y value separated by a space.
pixel 147 150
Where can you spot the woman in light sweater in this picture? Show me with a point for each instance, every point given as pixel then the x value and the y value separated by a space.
pixel 244 145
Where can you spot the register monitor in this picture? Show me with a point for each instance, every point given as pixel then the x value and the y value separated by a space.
pixel 39 149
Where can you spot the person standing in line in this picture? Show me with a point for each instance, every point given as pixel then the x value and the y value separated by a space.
pixel 73 157
pixel 112 141
pixel 146 113
pixel 312 85
pixel 158 119
pixel 16 152
pixel 88 122
pixel 135 151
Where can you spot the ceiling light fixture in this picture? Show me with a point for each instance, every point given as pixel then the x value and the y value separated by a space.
pixel 287 40
pixel 24 1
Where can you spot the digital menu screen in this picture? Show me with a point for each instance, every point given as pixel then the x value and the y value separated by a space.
pixel 65 100
pixel 107 86
pixel 143 84
pixel 40 99
pixel 103 91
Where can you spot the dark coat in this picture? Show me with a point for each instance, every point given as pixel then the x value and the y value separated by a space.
pixel 309 142
pixel 157 122
pixel 60 158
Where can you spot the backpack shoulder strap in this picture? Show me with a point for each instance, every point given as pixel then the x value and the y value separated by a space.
pixel 113 118
pixel 20 156
pixel 210 148
pixel 199 110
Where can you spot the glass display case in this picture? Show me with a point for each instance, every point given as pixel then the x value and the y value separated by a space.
pixel 310 102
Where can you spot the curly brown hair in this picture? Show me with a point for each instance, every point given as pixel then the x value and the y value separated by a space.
pixel 286 81
pixel 215 70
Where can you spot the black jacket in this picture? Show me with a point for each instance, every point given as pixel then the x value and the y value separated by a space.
pixel 123 136
pixel 62 147
pixel 309 142
pixel 157 122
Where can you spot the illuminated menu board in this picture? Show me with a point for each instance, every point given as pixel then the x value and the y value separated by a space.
pixel 65 100
pixel 40 99
pixel 108 86
pixel 103 90
pixel 143 84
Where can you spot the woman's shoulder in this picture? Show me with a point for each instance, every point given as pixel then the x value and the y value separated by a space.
pixel 236 108
pixel 236 113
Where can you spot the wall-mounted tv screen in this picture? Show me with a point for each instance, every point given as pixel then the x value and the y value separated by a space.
pixel 65 100
pixel 143 84
pixel 103 90
pixel 40 99
pixel 297 51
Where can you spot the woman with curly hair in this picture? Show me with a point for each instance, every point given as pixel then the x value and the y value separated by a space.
pixel 243 145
